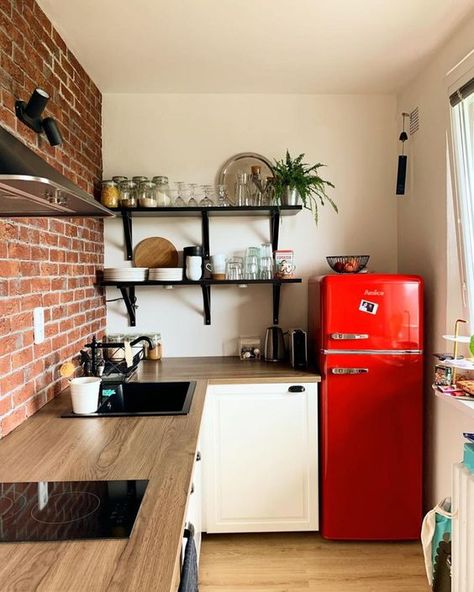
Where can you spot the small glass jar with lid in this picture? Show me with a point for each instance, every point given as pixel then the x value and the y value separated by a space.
pixel 119 178
pixel 154 352
pixel 128 194
pixel 110 194
pixel 163 196
pixel 147 194
pixel 138 179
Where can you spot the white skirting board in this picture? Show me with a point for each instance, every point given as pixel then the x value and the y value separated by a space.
pixel 463 530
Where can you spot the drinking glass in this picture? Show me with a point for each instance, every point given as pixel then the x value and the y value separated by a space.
pixel 222 197
pixel 266 268
pixel 251 268
pixel 193 202
pixel 206 201
pixel 178 201
pixel 234 269
pixel 266 250
pixel 253 252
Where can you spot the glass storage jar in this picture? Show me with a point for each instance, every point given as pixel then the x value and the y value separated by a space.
pixel 138 179
pixel 118 179
pixel 147 194
pixel 154 352
pixel 163 196
pixel 110 194
pixel 128 194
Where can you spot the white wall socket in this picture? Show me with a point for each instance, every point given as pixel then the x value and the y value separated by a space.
pixel 38 324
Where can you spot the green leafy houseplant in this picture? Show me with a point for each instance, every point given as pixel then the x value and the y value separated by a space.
pixel 295 174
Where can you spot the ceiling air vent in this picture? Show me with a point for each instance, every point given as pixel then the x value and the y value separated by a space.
pixel 414 121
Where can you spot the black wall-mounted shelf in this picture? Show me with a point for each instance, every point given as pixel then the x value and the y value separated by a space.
pixel 273 212
pixel 127 290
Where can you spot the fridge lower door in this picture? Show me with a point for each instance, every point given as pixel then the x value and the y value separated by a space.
pixel 371 461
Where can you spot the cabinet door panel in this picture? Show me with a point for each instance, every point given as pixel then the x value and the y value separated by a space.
pixel 260 458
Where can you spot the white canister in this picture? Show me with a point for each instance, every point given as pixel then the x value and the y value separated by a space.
pixel 194 268
pixel 85 394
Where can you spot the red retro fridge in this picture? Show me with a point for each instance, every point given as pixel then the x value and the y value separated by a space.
pixel 367 331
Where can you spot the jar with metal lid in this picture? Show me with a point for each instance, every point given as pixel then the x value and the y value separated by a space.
pixel 147 194
pixel 154 352
pixel 128 194
pixel 118 179
pixel 110 194
pixel 139 179
pixel 163 196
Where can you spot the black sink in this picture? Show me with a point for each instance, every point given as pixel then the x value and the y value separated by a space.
pixel 144 398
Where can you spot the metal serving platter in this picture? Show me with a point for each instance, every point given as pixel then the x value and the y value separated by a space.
pixel 227 174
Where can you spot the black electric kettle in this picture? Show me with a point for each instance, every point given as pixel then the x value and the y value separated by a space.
pixel 274 350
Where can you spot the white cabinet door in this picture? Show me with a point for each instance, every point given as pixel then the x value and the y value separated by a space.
pixel 260 458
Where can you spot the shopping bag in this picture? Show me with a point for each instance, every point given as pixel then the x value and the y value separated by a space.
pixel 436 541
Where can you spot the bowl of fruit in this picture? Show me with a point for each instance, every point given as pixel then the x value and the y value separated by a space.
pixel 348 263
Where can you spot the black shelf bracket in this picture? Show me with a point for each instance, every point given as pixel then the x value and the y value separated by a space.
pixel 206 299
pixel 274 228
pixel 276 303
pixel 127 231
pixel 128 295
pixel 205 234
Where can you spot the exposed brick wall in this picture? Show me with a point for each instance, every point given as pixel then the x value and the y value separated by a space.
pixel 47 262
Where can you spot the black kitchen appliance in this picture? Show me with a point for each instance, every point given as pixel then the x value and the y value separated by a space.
pixel 298 343
pixel 69 510
pixel 274 350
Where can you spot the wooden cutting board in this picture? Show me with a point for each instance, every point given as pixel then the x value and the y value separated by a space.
pixel 155 252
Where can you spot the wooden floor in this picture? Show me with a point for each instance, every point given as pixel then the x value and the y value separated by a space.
pixel 304 562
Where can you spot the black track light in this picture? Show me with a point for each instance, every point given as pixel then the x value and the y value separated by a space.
pixel 30 114
pixel 37 103
pixel 52 132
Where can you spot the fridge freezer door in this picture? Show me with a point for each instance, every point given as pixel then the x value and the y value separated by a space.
pixel 371 461
pixel 371 312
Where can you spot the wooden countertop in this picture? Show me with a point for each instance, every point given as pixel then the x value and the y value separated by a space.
pixel 222 370
pixel 162 449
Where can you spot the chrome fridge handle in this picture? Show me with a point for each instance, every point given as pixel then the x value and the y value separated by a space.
pixel 349 370
pixel 341 336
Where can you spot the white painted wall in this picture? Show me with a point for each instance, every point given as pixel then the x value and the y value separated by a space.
pixel 188 137
pixel 427 245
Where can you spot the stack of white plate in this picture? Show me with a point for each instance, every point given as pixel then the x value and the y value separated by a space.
pixel 166 274
pixel 125 274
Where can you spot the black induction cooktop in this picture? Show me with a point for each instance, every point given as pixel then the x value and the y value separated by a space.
pixel 69 510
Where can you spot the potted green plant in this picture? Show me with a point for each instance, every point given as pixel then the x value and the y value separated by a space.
pixel 295 180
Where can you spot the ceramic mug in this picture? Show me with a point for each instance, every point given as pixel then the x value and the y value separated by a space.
pixel 217 264
pixel 194 268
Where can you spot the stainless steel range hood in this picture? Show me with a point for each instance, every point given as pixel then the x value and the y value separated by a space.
pixel 29 186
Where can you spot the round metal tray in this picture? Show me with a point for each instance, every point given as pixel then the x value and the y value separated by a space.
pixel 227 174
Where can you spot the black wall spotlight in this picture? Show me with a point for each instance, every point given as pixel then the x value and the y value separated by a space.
pixel 30 114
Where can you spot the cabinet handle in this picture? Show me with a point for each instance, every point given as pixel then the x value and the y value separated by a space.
pixel 350 370
pixel 198 456
pixel 192 488
pixel 296 388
